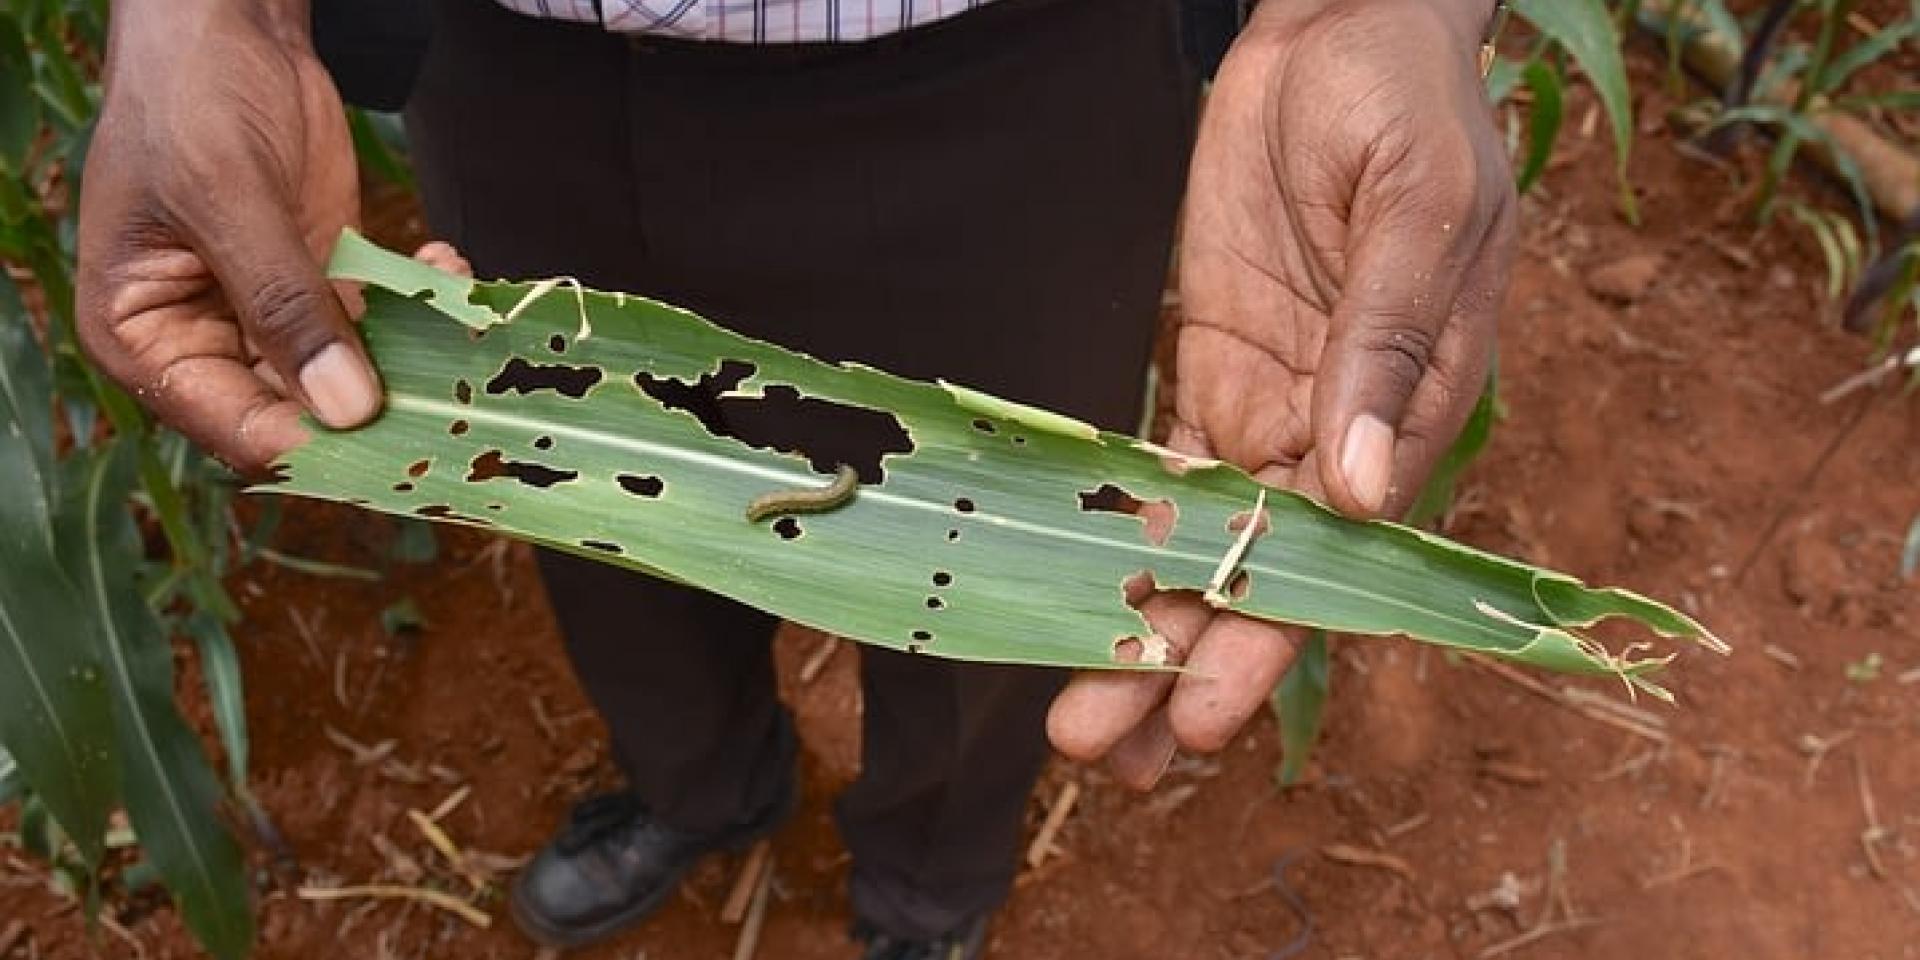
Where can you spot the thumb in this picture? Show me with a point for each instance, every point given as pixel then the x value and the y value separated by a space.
pixel 291 313
pixel 1400 287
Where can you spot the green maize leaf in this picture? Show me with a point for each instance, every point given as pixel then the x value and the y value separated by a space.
pixel 26 406
pixel 1543 123
pixel 60 85
pixel 10 785
pixel 994 535
pixel 1890 100
pixel 172 796
pixel 1299 703
pixel 1782 70
pixel 1585 28
pixel 220 671
pixel 40 834
pixel 1832 250
pixel 54 713
pixel 1796 128
pixel 1722 21
pixel 380 144
pixel 414 542
pixel 19 107
pixel 1879 44
pixel 1437 495
pixel 1503 77
pixel 1299 699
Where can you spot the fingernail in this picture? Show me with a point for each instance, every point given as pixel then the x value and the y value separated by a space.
pixel 340 389
pixel 1366 460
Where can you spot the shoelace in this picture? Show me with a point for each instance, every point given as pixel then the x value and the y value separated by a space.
pixel 595 818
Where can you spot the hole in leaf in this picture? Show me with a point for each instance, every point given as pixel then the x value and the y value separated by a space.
pixel 983 425
pixel 788 528
pixel 826 433
pixel 440 511
pixel 1157 516
pixel 543 443
pixel 1241 583
pixel 496 506
pixel 1109 499
pixel 1137 588
pixel 1128 650
pixel 557 343
pixel 403 486
pixel 1140 587
pixel 492 465
pixel 1238 522
pixel 935 603
pixel 603 546
pixel 459 428
pixel 1019 441
pixel 648 486
pixel 463 391
pixel 942 578
pixel 963 505
pixel 524 378
pixel 923 636
pixel 953 535
pixel 418 468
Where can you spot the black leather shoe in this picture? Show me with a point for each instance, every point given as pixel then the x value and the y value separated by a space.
pixel 613 864
pixel 969 942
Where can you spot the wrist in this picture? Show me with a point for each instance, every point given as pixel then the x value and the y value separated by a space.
pixel 133 21
pixel 1469 22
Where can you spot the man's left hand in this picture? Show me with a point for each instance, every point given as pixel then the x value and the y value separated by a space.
pixel 1349 228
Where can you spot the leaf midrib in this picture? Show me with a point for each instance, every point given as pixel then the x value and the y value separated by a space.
pixel 452 411
pixel 123 677
pixel 46 700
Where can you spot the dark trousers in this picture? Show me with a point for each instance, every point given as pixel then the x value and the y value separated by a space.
pixel 990 200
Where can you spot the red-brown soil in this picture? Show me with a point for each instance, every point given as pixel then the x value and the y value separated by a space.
pixel 1651 444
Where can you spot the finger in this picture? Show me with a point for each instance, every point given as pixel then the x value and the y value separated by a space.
pixel 442 256
pixel 289 311
pixel 1461 362
pixel 221 405
pixel 1229 676
pixel 1187 438
pixel 150 320
pixel 1141 758
pixel 1101 707
pixel 1404 270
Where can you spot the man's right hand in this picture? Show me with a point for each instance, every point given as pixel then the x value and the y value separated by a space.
pixel 220 174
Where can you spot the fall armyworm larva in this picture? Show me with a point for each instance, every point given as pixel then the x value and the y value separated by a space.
pixel 846 480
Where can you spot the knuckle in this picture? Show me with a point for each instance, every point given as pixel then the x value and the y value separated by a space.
pixel 1450 190
pixel 283 309
pixel 1401 353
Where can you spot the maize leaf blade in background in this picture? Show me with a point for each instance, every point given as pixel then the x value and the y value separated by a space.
pixel 171 794
pixel 1586 29
pixel 54 715
pixel 992 532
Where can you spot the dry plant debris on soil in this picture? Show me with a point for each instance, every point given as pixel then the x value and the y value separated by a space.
pixel 1774 816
